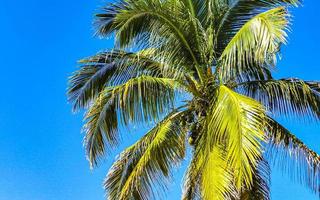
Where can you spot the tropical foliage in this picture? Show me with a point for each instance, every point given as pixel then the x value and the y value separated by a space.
pixel 201 71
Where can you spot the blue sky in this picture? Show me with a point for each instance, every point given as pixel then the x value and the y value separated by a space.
pixel 41 153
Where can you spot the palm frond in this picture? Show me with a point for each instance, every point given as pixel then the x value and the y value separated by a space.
pixel 145 98
pixel 238 122
pixel 255 44
pixel 101 127
pixel 191 182
pixel 140 99
pixel 207 11
pixel 209 176
pixel 112 68
pixel 290 154
pixel 105 21
pixel 216 176
pixel 157 24
pixel 286 96
pixel 239 13
pixel 260 189
pixel 144 166
pixel 86 83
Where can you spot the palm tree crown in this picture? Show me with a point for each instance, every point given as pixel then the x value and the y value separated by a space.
pixel 202 71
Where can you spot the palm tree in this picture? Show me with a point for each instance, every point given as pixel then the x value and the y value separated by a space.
pixel 201 71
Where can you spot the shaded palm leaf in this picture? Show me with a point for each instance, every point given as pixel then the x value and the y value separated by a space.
pixel 293 156
pixel 191 182
pixel 260 189
pixel 86 83
pixel 285 96
pixel 113 68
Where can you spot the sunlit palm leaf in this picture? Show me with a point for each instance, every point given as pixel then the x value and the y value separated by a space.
pixel 255 44
pixel 239 13
pixel 293 156
pixel 157 24
pixel 209 176
pixel 147 163
pixel 238 121
pixel 216 176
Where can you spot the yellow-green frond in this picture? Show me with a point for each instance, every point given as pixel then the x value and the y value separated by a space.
pixel 238 122
pixel 144 166
pixel 141 99
pixel 209 176
pixel 216 176
pixel 256 43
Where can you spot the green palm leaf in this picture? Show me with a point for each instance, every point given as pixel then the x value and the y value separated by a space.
pixel 285 96
pixel 240 12
pixel 141 99
pixel 113 68
pixel 256 42
pixel 147 162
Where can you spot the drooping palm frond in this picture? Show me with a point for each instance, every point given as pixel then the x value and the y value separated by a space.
pixel 145 98
pixel 86 83
pixel 141 99
pixel 255 44
pixel 145 165
pixel 100 71
pixel 101 127
pixel 238 122
pixel 290 154
pixel 191 182
pixel 260 189
pixel 285 96
pixel 113 68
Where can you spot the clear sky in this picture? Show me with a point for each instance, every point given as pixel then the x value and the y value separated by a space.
pixel 41 152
